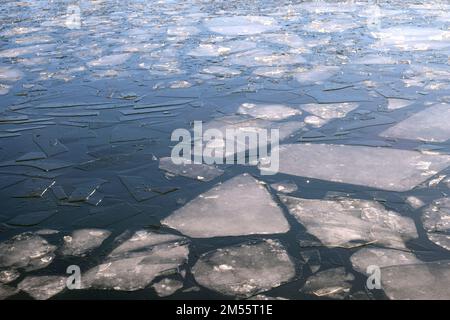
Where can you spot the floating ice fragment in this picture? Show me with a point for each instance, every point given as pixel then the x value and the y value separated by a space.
pixel 81 242
pixel 201 172
pixel 137 261
pixel 241 25
pixel 284 187
pixel 239 206
pixel 139 188
pixel 268 112
pixel 31 219
pixel 10 74
pixel 430 124
pixel 34 188
pixel 27 251
pixel 111 60
pixel 395 103
pixel 332 283
pixel 425 281
pixel 221 71
pixel 167 287
pixel 43 287
pixel 436 221
pixel 37 155
pixel 381 168
pixel 312 259
pixel 415 202
pixel 104 217
pixel 7 276
pixel 366 257
pixel 351 222
pixel 251 268
pixel 85 190
pixel 317 75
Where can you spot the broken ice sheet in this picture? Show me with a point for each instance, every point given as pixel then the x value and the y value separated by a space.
pixel 27 251
pixel 430 124
pixel 167 287
pixel 425 281
pixel 316 75
pixel 245 270
pixel 84 191
pixel 106 216
pixel 51 146
pixel 7 276
pixel 111 60
pixel 7 291
pixel 31 219
pixel 137 261
pixel 44 164
pixel 380 257
pixel 138 186
pixel 241 25
pixel 323 113
pixel 81 242
pixel 43 287
pixel 381 168
pixel 200 171
pixel 239 206
pixel 6 181
pixel 33 188
pixel 351 222
pixel 395 103
pixel 436 221
pixel 332 283
pixel 37 155
pixel 267 112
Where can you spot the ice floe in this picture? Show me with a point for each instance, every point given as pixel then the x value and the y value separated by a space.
pixel 436 221
pixel 81 242
pixel 199 171
pixel 241 25
pixel 381 168
pixel 43 287
pixel 380 257
pixel 351 222
pixel 332 283
pixel 245 270
pixel 239 206
pixel 167 287
pixel 268 111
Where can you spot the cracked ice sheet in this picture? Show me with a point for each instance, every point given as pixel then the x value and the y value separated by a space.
pixel 135 262
pixel 381 168
pixel 426 281
pixel 81 242
pixel 351 222
pixel 239 206
pixel 199 171
pixel 436 221
pixel 245 270
pixel 430 124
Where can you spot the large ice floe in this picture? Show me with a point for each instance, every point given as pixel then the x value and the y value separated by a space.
pixel 381 168
pixel 245 270
pixel 137 260
pixel 430 124
pixel 351 222
pixel 239 206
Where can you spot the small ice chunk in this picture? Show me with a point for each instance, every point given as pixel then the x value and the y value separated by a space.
pixel 239 206
pixel 43 287
pixel 415 202
pixel 379 257
pixel 241 25
pixel 395 103
pixel 268 111
pixel 381 168
pixel 7 276
pixel 137 261
pixel 284 187
pixel 351 222
pixel 331 110
pixel 81 242
pixel 27 251
pixel 425 281
pixel 245 270
pixel 199 171
pixel 332 283
pixel 167 287
pixel 312 259
pixel 430 124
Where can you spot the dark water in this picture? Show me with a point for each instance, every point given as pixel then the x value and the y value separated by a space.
pixel 157 52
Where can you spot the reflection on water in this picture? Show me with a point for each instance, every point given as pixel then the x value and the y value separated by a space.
pixel 92 90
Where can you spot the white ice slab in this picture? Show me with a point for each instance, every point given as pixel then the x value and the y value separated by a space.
pixel 245 270
pixel 381 258
pixel 239 206
pixel 381 168
pixel 430 124
pixel 241 25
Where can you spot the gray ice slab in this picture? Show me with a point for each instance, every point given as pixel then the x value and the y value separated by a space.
pixel 167 287
pixel 31 219
pixel 81 242
pixel 351 222
pixel 104 216
pixel 245 270
pixel 43 287
pixel 51 146
pixel 426 281
pixel 381 168
pixel 430 124
pixel 436 221
pixel 33 188
pixel 331 283
pixel 139 187
pixel 239 206
pixel 27 251
pixel 137 261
